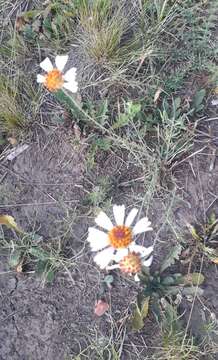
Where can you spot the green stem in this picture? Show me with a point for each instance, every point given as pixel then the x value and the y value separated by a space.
pixel 71 103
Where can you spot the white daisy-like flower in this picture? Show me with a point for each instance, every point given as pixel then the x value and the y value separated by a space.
pixel 132 263
pixel 117 241
pixel 55 79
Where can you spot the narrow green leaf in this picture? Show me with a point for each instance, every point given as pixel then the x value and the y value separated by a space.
pixel 140 313
pixel 144 308
pixel 171 257
pixel 15 258
pixel 41 267
pixel 198 98
pixel 155 307
pixel 49 275
pixel 137 320
pixel 193 232
pixel 39 253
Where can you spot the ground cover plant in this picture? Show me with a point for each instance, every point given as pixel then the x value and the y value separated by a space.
pixel 108 179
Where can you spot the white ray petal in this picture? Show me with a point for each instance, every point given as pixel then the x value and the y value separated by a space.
pixel 103 221
pixel 142 250
pixel 104 257
pixel 141 226
pixel 70 75
pixel 46 65
pixel 120 255
pixel 40 78
pixel 148 262
pixel 72 86
pixel 136 277
pixel 61 61
pixel 131 217
pixel 98 239
pixel 119 213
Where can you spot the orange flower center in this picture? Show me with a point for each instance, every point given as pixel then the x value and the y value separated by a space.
pixel 131 263
pixel 54 80
pixel 120 236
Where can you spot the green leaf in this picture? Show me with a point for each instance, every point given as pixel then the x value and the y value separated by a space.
pixel 36 238
pixel 41 267
pixel 130 112
pixel 145 307
pixel 172 290
pixel 49 275
pixel 15 258
pixel 3 141
pixel 212 218
pixel 39 253
pixel 170 318
pixel 177 103
pixel 139 314
pixel 193 232
pixel 155 307
pixel 121 121
pixel 45 271
pixel 145 271
pixel 104 144
pixel 70 103
pixel 28 15
pixel 101 114
pixel 171 257
pixel 168 280
pixel 136 320
pixel 133 109
pixel 109 279
pixel 193 279
pixel 198 99
pixel 192 290
pixel 29 33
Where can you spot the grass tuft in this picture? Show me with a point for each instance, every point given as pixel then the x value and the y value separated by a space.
pixel 11 116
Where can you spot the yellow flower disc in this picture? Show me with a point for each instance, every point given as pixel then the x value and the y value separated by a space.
pixel 54 80
pixel 131 263
pixel 120 236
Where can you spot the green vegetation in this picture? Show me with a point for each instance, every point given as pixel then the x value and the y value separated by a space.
pixel 146 73
pixel 11 115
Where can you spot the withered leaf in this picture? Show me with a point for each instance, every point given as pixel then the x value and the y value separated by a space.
pixel 101 307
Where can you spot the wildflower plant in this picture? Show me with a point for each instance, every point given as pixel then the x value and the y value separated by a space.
pixel 56 79
pixel 162 284
pixel 117 242
pixel 27 252
pixel 204 240
pixel 116 248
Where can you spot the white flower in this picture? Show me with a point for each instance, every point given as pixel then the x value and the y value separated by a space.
pixel 117 241
pixel 55 79
pixel 132 263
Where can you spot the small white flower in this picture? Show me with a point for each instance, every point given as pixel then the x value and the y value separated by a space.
pixel 132 263
pixel 55 79
pixel 118 240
